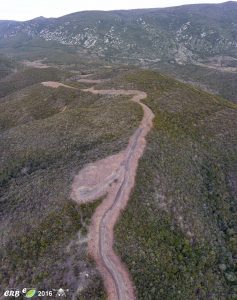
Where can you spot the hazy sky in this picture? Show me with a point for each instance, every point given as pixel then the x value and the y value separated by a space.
pixel 29 9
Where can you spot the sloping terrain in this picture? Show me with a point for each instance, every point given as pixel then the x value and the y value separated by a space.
pixel 214 80
pixel 202 37
pixel 177 236
pixel 47 136
pixel 113 177
pixel 6 66
pixel 180 240
pixel 181 34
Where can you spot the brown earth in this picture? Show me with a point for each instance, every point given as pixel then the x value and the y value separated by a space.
pixel 38 64
pixel 113 178
pixel 55 85
pixel 85 80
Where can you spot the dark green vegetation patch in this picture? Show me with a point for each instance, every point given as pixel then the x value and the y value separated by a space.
pixel 178 233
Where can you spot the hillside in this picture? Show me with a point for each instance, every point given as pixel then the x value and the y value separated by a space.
pixel 112 172
pixel 182 34
pixel 179 228
pixel 180 221
pixel 47 135
pixel 203 35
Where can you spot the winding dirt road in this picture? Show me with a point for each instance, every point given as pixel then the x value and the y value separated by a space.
pixel 114 178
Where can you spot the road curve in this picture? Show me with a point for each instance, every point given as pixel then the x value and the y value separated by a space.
pixel 113 177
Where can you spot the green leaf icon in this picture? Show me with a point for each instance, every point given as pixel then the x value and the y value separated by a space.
pixel 30 293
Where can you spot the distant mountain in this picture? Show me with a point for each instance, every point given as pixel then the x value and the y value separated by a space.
pixel 184 34
pixel 194 43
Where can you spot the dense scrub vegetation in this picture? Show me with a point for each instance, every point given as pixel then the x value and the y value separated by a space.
pixel 178 233
pixel 217 81
pixel 6 66
pixel 27 77
pixel 47 136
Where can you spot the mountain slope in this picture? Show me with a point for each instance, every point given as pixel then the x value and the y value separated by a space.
pixel 202 37
pixel 180 240
pixel 177 236
pixel 47 135
pixel 178 231
pixel 179 34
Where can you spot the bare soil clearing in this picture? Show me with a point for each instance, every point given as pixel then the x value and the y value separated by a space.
pixel 219 68
pixel 114 178
pixel 84 80
pixel 38 64
pixel 55 85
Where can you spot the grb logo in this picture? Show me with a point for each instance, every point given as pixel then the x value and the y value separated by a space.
pixel 12 293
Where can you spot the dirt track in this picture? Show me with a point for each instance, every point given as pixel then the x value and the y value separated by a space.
pixel 114 178
pixel 55 85
pixel 38 64
pixel 85 80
